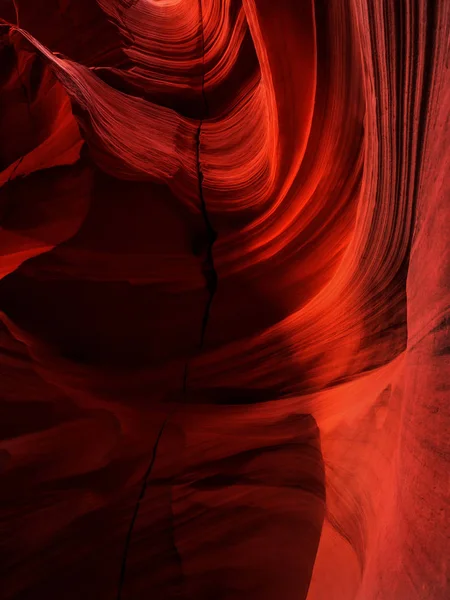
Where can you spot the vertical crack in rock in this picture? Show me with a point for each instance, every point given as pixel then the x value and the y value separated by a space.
pixel 208 267
pixel 210 275
pixel 209 270
pixel 137 506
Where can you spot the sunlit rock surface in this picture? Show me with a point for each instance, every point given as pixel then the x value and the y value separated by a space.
pixel 224 300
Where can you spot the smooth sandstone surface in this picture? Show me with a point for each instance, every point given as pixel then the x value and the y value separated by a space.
pixel 224 300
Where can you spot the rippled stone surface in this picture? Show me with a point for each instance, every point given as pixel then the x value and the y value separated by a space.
pixel 224 299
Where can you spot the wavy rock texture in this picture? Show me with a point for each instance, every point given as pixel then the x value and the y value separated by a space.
pixel 224 296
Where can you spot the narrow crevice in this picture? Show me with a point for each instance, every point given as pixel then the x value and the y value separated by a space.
pixel 208 267
pixel 209 270
pixel 137 507
pixel 210 275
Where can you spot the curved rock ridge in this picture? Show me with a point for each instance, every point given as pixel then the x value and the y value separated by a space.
pixel 224 299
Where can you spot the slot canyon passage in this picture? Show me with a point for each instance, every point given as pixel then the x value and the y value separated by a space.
pixel 224 300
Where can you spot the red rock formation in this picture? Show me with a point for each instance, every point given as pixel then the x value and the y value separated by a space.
pixel 224 299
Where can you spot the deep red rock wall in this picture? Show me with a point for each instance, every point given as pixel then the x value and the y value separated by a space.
pixel 224 299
